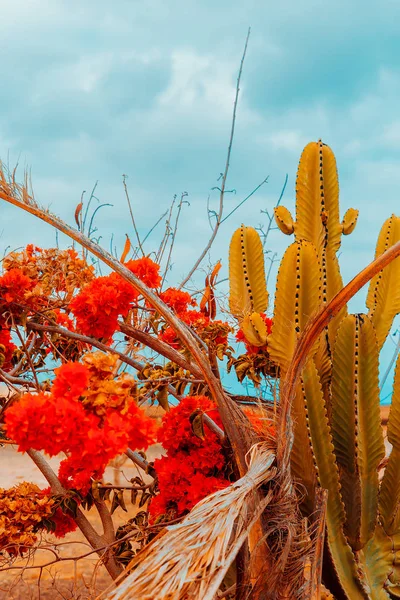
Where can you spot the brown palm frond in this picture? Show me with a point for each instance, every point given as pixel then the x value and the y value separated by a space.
pixel 192 558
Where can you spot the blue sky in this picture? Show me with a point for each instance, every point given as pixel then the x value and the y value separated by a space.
pixel 94 89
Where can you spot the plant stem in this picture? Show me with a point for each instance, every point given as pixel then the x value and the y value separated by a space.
pixel 94 539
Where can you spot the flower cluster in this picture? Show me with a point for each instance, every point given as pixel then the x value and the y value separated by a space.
pixel 146 270
pixel 193 467
pixel 62 421
pixel 15 287
pixel 54 270
pixel 23 509
pixel 99 304
pixel 7 348
pixel 213 332
pixel 250 349
pixel 177 300
pixel 63 523
pixel 104 390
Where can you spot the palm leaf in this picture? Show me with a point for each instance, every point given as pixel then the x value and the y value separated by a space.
pixel 192 558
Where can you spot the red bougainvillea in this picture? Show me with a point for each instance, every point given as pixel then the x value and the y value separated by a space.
pixel 98 306
pixel 60 422
pixel 14 286
pixel 7 348
pixel 177 300
pixel 213 332
pixel 146 270
pixel 193 467
pixel 63 523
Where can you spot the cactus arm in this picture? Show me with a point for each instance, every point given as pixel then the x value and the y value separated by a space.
pixel 375 561
pixel 334 284
pixel 308 196
pixel 389 498
pixel 254 329
pixel 297 298
pixel 356 429
pixel 284 220
pixel 383 299
pixel 302 458
pixel 248 289
pixel 317 197
pixel 349 221
pixel 328 478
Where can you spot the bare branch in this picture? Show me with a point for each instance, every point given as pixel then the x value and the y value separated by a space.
pixel 225 174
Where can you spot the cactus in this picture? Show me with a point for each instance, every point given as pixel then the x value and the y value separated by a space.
pixel 338 441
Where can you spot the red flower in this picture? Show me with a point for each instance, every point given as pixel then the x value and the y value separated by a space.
pixel 98 306
pixel 14 285
pixel 169 336
pixel 64 523
pixel 59 422
pixel 193 467
pixel 9 347
pixel 71 380
pixel 146 270
pixel 177 300
pixel 63 320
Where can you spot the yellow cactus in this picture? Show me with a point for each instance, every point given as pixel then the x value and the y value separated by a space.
pixel 299 271
pixel 254 329
pixel 338 443
pixel 248 291
pixel 349 221
pixel 284 220
pixel 383 298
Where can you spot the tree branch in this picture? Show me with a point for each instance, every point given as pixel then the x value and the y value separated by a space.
pixel 94 539
pixel 160 347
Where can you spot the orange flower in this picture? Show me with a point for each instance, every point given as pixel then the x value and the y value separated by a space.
pixel 177 300
pixel 14 286
pixel 98 306
pixel 146 270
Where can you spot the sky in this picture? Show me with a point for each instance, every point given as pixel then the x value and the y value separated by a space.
pixel 94 90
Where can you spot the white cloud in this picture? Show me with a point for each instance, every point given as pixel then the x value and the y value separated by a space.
pixel 199 82
pixel 290 140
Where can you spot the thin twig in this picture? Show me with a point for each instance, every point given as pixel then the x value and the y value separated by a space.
pixel 184 194
pixel 245 199
pixel 225 174
pixel 154 226
pixel 131 212
pixel 88 531
pixel 85 340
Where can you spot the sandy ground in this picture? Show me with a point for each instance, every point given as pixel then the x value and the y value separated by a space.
pixel 66 580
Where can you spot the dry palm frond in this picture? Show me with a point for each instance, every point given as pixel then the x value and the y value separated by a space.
pixel 192 558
